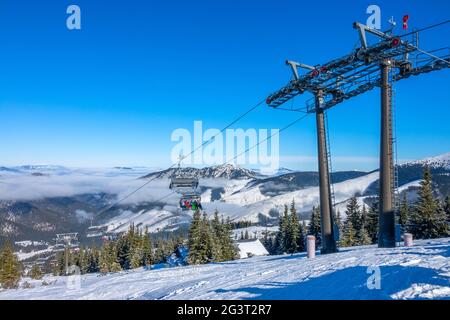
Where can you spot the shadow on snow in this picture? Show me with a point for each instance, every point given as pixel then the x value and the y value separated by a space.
pixel 347 284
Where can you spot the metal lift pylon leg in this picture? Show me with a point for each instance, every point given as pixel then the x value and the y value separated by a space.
pixel 326 207
pixel 386 234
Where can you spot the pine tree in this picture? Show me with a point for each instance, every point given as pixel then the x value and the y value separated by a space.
pixel 217 230
pixel 93 260
pixel 36 272
pixel 60 266
pixel 160 252
pixel 201 244
pixel 442 224
pixel 349 237
pixel 104 259
pixel 292 230
pixel 207 241
pixel 314 225
pixel 428 220
pixel 137 252
pixel 147 250
pixel 170 246
pixel 301 237
pixel 54 267
pixel 267 242
pixel 364 218
pixel 82 260
pixel 277 245
pixel 137 258
pixel 353 213
pixel 200 240
pixel 108 259
pixel 113 259
pixel 10 268
pixel 124 253
pixel 229 251
pixel 65 260
pixel 363 237
pixel 338 221
pixel 115 267
pixel 129 248
pixel 403 218
pixel 285 229
pixel 446 207
pixel 194 238
pixel 372 222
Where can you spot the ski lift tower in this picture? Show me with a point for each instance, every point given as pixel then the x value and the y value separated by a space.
pixel 391 58
pixel 67 241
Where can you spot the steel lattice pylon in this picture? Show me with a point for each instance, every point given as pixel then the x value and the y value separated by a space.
pixel 358 72
pixel 392 58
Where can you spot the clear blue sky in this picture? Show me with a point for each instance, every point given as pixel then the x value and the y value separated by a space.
pixel 112 93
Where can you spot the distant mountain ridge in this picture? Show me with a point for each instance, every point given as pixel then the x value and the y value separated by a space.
pixel 238 193
pixel 439 162
pixel 227 171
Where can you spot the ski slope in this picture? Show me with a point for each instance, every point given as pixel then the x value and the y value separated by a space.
pixel 250 202
pixel 419 272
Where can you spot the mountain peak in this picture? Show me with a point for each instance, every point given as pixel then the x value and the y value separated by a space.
pixel 226 171
pixel 443 157
pixel 440 161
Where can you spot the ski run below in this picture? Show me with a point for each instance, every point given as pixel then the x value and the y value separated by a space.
pixel 419 272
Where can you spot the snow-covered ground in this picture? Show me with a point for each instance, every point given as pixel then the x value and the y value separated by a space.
pixel 153 220
pixel 253 231
pixel 27 255
pixel 250 248
pixel 240 202
pixel 411 184
pixel 242 198
pixel 440 161
pixel 28 243
pixel 341 207
pixel 419 272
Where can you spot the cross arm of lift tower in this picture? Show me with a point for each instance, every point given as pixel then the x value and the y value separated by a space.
pixel 391 59
pixel 358 72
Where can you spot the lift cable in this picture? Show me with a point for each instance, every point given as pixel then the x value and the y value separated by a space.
pixel 247 150
pixel 107 208
pixel 425 28
pixel 164 197
pixel 262 141
pixel 300 110
pixel 238 119
pixel 432 56
pixel 252 147
pixel 269 137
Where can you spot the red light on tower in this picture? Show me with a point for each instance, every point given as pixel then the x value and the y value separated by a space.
pixel 405 22
pixel 395 42
pixel 268 101
pixel 315 73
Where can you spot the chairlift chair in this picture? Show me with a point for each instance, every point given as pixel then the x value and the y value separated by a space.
pixel 186 186
pixel 179 184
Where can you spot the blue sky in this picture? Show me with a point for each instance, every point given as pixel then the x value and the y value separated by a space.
pixel 112 93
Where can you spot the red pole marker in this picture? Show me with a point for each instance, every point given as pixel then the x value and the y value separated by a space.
pixel 405 22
